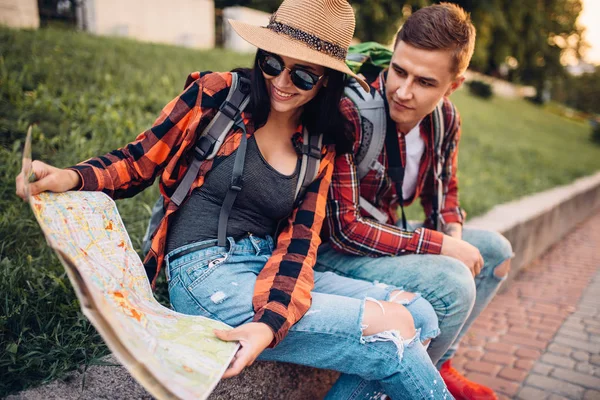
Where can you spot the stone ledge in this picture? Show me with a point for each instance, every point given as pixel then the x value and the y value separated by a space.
pixel 535 223
pixel 263 380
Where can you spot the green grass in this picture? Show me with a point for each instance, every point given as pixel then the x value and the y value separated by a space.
pixel 89 95
pixel 513 148
pixel 510 149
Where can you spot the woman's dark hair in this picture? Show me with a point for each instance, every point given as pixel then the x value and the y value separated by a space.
pixel 321 114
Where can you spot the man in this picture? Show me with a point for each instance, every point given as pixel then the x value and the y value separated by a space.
pixel 457 270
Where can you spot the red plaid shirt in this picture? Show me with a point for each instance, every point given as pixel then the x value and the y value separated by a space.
pixel 351 230
pixel 283 288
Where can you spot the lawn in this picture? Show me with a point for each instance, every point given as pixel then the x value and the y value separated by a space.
pixel 510 149
pixel 89 95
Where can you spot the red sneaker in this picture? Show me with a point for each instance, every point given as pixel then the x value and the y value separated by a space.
pixel 462 388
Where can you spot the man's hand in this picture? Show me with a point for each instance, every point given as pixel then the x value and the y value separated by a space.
pixel 47 178
pixel 464 252
pixel 254 337
pixel 453 229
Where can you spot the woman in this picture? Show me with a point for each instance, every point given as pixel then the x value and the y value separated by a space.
pixel 267 288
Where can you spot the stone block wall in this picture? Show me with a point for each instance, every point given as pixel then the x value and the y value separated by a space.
pixel 189 23
pixel 232 41
pixel 19 13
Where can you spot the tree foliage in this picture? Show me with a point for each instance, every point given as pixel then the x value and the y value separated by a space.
pixel 535 34
pixel 581 92
pixel 379 20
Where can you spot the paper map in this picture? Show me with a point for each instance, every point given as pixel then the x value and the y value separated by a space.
pixel 171 354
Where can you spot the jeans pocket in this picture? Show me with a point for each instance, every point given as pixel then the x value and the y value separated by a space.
pixel 198 271
pixel 174 281
pixel 183 301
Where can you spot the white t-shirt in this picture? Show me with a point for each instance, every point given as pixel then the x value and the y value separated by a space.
pixel 415 147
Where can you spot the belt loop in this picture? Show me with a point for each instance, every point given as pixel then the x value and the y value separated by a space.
pixel 254 240
pixel 271 243
pixel 167 268
pixel 231 245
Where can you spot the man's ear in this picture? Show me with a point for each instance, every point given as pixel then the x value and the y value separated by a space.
pixel 325 81
pixel 456 83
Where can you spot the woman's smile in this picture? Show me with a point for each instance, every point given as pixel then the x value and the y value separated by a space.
pixel 281 95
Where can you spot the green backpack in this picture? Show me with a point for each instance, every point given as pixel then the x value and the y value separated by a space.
pixel 369 59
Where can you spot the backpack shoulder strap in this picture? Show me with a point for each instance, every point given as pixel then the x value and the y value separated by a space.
pixel 438 124
pixel 214 134
pixel 309 166
pixel 371 108
pixel 373 125
pixel 235 186
pixel 373 211
pixel 439 133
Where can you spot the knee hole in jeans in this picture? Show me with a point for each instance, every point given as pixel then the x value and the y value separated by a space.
pixel 388 322
pixel 502 270
pixel 401 297
pixel 380 316
pixel 424 316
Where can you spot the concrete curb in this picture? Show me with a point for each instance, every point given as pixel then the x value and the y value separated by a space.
pixel 263 380
pixel 531 224
pixel 534 223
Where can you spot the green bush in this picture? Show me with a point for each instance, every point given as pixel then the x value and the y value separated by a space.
pixel 480 89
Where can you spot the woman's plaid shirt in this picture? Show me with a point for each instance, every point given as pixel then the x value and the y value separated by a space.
pixel 351 230
pixel 282 291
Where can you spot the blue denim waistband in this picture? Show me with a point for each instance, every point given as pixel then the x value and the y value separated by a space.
pixel 249 245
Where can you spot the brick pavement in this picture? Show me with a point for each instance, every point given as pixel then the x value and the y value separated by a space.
pixel 570 366
pixel 540 339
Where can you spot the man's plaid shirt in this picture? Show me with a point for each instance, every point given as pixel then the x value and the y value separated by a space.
pixel 350 229
pixel 282 291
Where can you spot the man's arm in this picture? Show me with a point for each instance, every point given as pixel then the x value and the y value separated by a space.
pixel 349 231
pixel 450 212
pixel 453 229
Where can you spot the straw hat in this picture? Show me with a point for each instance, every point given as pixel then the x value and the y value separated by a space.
pixel 315 31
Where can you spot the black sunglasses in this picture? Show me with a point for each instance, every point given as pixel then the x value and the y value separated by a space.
pixel 272 65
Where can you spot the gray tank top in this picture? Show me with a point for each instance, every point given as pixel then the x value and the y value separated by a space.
pixel 267 196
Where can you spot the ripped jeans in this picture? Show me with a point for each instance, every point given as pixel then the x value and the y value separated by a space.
pixel 218 283
pixel 445 282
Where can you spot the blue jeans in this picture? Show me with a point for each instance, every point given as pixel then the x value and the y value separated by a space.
pixel 218 282
pixel 445 282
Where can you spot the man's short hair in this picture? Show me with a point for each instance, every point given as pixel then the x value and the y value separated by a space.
pixel 443 26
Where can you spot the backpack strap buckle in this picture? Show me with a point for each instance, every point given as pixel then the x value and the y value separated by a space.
pixel 311 151
pixel 203 147
pixel 236 184
pixel 375 165
pixel 229 110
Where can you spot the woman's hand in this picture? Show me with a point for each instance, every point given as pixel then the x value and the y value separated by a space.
pixel 47 178
pixel 254 337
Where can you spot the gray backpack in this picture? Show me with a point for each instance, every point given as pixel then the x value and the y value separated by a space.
pixel 207 146
pixel 373 117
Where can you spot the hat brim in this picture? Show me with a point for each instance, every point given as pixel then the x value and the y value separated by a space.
pixel 281 44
